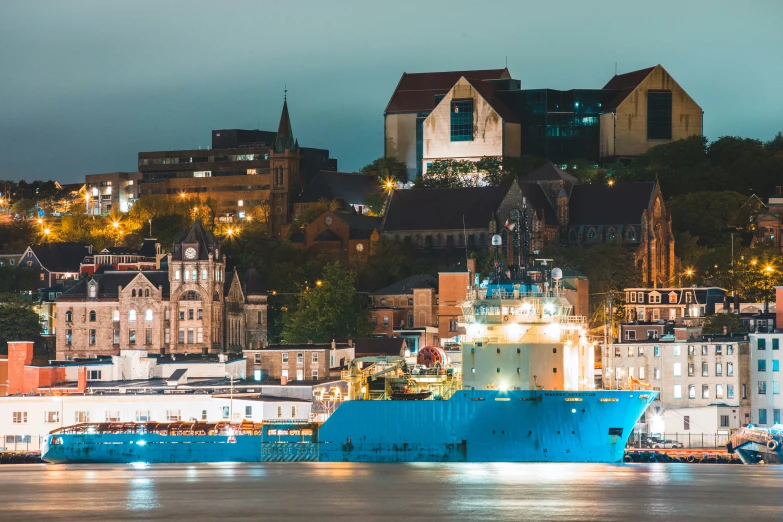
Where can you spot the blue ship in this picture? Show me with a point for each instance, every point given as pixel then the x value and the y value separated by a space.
pixel 523 392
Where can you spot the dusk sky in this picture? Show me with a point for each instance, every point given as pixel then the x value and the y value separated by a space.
pixel 86 85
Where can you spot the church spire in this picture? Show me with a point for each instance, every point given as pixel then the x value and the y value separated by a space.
pixel 285 134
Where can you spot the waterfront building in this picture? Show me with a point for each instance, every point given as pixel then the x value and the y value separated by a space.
pixel 470 114
pixel 310 362
pixel 112 191
pixel 546 207
pixel 243 169
pixel 689 371
pixel 191 305
pixel 765 371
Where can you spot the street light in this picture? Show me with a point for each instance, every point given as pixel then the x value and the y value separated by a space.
pixel 319 283
pixel 182 195
pixel 769 269
pixel 611 183
pixel 116 224
pixel 230 232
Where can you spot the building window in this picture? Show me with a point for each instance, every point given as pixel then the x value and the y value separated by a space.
pixel 678 391
pixel 730 369
pixel 181 336
pixel 191 314
pixel 68 336
pixel 762 365
pixel 762 388
pixel 729 349
pixel 176 275
pixel 690 369
pixel 705 391
pixel 686 422
pixel 762 416
pixel 92 316
pixel 142 415
pixel 315 357
pixel 199 335
pixel 704 350
pixel 173 415
pixel 775 365
pixel 203 275
pixel 718 350
pixel 691 391
pixel 131 336
pixel 705 369
pixel 191 338
pixel 81 416
pixel 724 421
pixel 94 375
pixel 132 316
pixel 284 373
pixel 729 391
pixel 657 351
pixel 200 314
pixel 630 335
pixel 659 115
pixel 591 235
pixel 630 351
pixel 293 412
pixel 148 315
pixel 314 375
pixel 69 316
pixel 617 351
pixel 285 358
pixel 762 344
pixel 676 350
pixel 776 344
pixel 51 417
pixel 148 336
pixel 718 391
pixel 385 321
pixel 640 351
pixel 453 325
pixel 641 372
pixel 181 314
pixel 718 370
pixel 166 336
pixel 299 357
pixel 186 274
pixel 300 375
pixel 775 387
pixel 20 417
pixel 677 369
pixel 115 315
pixel 657 374
pixel 461 120
pixel 248 412
pixel 93 289
pixel 256 375
pixel 92 336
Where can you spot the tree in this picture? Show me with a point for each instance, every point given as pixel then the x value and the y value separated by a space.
pixel 387 168
pixel 16 279
pixel 450 174
pixel 18 321
pixel 331 309
pixel 23 207
pixel 312 213
pixel 715 324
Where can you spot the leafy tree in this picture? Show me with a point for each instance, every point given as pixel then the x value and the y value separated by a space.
pixel 16 279
pixel 714 324
pixel 23 206
pixel 386 168
pixel 710 216
pixel 330 310
pixel 18 321
pixel 516 167
pixel 312 213
pixel 450 174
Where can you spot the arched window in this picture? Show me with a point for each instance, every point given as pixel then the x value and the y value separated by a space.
pixel 410 301
pixel 611 234
pixel 176 275
pixel 93 291
pixel 132 316
pixel 146 292
pixel 69 316
pixel 216 297
pixel 591 235
pixel 115 315
pixel 133 293
pixel 92 316
pixel 383 301
pixel 148 315
pixel 632 234
pixel 190 295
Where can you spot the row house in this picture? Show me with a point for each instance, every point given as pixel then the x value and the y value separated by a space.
pixel 298 362
pixel 684 306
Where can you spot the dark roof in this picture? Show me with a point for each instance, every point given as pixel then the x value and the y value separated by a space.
pixel 416 91
pixel 328 235
pixel 285 134
pixel 378 346
pixel 253 283
pixel 600 204
pixel 548 172
pixel 624 84
pixel 351 187
pixel 536 195
pixel 488 91
pixel 61 257
pixel 120 251
pixel 361 226
pixel 407 285
pixel 443 208
pixel 108 283
pixel 196 234
pixel 71 187
pixel 148 248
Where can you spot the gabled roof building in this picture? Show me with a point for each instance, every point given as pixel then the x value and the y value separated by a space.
pixel 470 114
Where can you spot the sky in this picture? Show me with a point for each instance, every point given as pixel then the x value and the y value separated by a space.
pixel 86 85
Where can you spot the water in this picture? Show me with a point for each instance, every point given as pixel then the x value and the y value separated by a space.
pixel 393 492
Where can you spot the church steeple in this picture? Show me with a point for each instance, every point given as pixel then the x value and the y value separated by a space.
pixel 285 134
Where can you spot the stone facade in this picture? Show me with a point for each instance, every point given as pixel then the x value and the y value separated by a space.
pixel 295 362
pixel 187 308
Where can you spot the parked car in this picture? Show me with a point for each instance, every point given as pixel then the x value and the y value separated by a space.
pixel 665 444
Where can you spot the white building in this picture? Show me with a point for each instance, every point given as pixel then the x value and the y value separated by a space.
pixel 25 420
pixel 698 426
pixel 113 191
pixel 765 378
pixel 688 373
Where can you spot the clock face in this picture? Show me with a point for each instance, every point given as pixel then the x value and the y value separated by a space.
pixel 359 247
pixel 190 253
pixel 328 220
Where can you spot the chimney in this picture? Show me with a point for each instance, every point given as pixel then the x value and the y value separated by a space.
pixel 283 380
pixel 82 385
pixel 20 354
pixel 471 270
pixel 779 307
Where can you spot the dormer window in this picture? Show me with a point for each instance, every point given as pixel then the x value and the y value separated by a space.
pixel 92 290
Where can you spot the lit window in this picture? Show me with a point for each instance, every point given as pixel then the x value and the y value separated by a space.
pixel 678 391
pixel 461 120
pixel 132 316
pixel 677 369
pixel 148 315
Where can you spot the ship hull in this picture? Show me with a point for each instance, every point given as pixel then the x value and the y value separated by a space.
pixel 472 426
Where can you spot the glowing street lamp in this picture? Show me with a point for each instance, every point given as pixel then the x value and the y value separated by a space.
pixel 182 195
pixel 611 182
pixel 116 224
pixel 40 221
pixel 769 269
pixel 319 283
pixel 230 232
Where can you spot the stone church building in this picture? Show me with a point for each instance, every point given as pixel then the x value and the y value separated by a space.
pixel 192 305
pixel 547 206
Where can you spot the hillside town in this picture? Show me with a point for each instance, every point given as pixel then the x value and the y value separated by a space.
pixel 240 282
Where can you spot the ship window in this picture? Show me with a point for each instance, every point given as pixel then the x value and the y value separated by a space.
pixel 142 415
pixel 618 432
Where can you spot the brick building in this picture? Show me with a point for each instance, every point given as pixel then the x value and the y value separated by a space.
pixel 408 309
pixel 191 306
pixel 343 235
pixel 298 362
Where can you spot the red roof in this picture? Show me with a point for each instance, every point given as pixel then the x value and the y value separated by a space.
pixel 416 91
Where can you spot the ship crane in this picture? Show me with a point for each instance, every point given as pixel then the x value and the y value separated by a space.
pixel 358 375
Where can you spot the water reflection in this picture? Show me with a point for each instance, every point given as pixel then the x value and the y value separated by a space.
pixel 141 495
